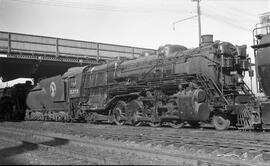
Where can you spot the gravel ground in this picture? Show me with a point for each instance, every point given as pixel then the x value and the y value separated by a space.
pixel 15 151
pixel 81 129
pixel 21 154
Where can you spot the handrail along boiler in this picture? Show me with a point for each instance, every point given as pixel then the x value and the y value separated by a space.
pixel 174 87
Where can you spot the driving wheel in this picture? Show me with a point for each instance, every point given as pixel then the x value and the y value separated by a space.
pixel 118 113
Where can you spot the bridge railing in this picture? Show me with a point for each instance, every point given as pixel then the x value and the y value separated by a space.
pixel 12 43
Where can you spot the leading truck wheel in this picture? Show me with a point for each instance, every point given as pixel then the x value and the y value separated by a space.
pixel 220 123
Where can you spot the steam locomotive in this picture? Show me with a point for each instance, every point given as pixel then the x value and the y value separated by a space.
pixel 174 87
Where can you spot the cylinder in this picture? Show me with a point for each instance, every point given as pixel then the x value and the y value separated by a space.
pixel 203 111
pixel 192 107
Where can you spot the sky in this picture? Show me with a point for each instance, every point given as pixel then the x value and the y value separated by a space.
pixel 139 23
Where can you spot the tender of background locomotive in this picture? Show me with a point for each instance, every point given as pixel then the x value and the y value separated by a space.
pixel 174 87
pixel 261 41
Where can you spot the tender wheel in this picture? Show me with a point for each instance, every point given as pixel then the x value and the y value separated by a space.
pixel 27 114
pixel 220 123
pixel 154 124
pixel 118 113
pixel 176 124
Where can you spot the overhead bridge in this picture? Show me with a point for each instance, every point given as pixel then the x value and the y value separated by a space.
pixel 32 56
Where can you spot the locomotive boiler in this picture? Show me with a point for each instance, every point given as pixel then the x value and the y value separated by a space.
pixel 177 86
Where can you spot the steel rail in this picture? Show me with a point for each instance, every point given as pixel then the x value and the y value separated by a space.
pixel 85 142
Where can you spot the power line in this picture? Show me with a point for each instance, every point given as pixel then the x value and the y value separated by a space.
pixel 232 20
pixel 221 19
pixel 112 8
pixel 230 9
pixel 238 0
pixel 102 7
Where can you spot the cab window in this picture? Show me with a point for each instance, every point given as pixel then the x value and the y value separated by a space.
pixel 72 82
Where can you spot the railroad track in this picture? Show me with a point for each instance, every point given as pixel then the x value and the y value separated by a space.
pixel 81 149
pixel 231 148
pixel 172 138
pixel 241 148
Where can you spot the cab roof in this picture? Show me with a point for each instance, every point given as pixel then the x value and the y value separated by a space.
pixel 73 71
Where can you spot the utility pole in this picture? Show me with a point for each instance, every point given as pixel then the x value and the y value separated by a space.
pixel 199 19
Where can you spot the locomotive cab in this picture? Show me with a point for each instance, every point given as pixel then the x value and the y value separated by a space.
pixel 73 81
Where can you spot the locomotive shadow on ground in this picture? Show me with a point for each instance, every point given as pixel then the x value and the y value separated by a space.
pixel 1 120
pixel 7 153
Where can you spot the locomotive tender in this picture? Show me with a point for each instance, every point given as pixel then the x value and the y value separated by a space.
pixel 13 101
pixel 261 46
pixel 174 87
